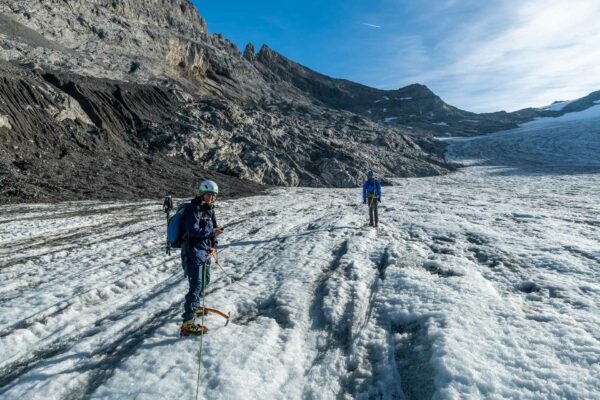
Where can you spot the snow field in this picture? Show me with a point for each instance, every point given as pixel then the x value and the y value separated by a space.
pixel 487 292
pixel 570 143
pixel 481 284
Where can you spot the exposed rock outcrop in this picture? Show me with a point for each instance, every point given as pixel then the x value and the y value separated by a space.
pixel 414 105
pixel 64 138
pixel 250 52
pixel 118 98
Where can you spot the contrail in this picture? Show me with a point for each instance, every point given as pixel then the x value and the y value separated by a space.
pixel 371 25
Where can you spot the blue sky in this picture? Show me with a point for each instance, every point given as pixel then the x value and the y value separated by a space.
pixel 477 55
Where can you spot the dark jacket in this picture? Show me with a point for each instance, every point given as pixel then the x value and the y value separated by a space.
pixel 371 187
pixel 199 223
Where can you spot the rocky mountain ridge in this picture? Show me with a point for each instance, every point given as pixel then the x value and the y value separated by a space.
pixel 409 107
pixel 120 99
pixel 132 98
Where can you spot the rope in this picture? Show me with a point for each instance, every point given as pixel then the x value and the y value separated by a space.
pixel 232 280
pixel 204 268
pixel 215 258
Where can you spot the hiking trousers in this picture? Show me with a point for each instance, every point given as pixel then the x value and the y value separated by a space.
pixel 195 275
pixel 373 218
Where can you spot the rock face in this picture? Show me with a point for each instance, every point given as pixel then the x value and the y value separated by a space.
pixel 132 98
pixel 65 137
pixel 414 105
pixel 249 52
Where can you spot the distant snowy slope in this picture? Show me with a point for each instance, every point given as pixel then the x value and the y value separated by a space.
pixel 556 106
pixel 568 142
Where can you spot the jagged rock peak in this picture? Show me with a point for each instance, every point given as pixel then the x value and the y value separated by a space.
pixel 266 53
pixel 272 58
pixel 418 88
pixel 249 52
pixel 264 49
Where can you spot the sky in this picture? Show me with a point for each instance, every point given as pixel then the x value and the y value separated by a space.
pixel 478 56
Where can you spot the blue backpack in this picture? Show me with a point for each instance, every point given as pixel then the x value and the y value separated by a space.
pixel 371 186
pixel 175 227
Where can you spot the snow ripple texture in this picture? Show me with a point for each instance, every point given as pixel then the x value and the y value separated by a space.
pixel 480 284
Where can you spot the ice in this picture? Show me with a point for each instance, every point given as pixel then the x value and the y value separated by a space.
pixel 569 143
pixel 557 106
pixel 480 284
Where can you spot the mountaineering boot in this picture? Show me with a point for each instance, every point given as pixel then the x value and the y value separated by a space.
pixel 189 328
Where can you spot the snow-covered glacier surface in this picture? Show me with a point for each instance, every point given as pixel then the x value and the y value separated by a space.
pixel 481 284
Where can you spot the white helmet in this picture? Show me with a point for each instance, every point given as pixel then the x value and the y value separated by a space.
pixel 208 187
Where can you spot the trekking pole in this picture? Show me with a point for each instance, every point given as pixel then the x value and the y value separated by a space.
pixel 167 207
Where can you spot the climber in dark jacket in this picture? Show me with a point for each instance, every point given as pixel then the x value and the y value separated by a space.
pixel 200 231
pixel 372 194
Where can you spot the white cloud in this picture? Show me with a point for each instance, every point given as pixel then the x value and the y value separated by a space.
pixel 525 53
pixel 370 25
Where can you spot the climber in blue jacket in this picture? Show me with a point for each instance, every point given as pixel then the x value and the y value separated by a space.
pixel 372 193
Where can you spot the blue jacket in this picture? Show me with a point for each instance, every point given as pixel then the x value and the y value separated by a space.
pixel 199 223
pixel 371 185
